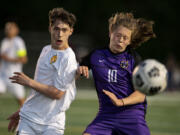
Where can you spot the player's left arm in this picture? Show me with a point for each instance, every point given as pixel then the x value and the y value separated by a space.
pixel 49 91
pixel 135 98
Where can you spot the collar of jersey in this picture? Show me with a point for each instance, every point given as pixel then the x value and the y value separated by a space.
pixel 117 54
pixel 55 50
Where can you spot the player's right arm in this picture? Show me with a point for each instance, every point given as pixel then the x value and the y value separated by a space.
pixel 49 91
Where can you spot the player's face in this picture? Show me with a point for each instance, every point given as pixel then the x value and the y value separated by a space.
pixel 11 30
pixel 120 38
pixel 60 33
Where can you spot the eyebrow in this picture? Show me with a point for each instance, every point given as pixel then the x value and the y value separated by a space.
pixel 122 34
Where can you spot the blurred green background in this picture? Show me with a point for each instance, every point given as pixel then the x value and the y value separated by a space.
pixel 162 115
pixel 91 30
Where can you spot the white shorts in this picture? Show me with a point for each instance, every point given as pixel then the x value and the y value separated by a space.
pixel 27 127
pixel 16 89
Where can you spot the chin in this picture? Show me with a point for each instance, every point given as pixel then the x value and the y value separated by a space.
pixel 119 50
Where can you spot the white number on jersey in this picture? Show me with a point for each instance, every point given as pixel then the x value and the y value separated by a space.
pixel 112 75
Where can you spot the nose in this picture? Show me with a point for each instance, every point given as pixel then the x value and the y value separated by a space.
pixel 121 39
pixel 60 33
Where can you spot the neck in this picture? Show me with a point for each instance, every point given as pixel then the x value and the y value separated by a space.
pixel 10 37
pixel 62 47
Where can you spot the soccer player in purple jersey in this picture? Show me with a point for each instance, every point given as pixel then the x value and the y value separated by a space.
pixel 122 109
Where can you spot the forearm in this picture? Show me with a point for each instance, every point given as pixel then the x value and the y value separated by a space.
pixel 47 90
pixel 135 98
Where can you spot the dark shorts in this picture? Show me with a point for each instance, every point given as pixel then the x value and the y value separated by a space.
pixel 121 125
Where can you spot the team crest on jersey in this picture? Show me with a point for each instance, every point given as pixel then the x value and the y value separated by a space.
pixel 53 59
pixel 124 64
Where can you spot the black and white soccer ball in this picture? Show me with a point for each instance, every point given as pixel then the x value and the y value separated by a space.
pixel 150 77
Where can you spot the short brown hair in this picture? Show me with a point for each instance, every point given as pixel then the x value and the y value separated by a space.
pixel 63 15
pixel 142 30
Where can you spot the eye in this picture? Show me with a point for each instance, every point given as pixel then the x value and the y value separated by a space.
pixel 125 37
pixel 64 29
pixel 118 35
pixel 56 28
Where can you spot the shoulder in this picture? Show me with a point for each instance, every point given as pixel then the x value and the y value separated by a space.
pixel 135 56
pixel 69 52
pixel 5 44
pixel 18 39
pixel 66 60
pixel 70 56
pixel 45 49
pixel 99 52
pixel 19 42
pixel 91 56
pixel 67 55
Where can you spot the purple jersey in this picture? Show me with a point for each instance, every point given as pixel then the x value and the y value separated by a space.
pixel 113 72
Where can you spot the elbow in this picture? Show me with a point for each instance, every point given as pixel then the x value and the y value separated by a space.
pixel 142 99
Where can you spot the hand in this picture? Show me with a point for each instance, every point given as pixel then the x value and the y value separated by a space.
pixel 20 78
pixel 83 70
pixel 114 99
pixel 14 120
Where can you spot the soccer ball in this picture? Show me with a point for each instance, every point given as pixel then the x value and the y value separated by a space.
pixel 150 77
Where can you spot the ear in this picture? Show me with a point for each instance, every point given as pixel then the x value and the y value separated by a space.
pixel 71 30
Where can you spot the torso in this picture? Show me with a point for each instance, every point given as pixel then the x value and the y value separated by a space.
pixel 113 73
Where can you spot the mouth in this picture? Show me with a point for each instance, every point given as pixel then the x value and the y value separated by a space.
pixel 58 42
pixel 119 46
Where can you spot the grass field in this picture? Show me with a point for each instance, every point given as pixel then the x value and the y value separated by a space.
pixel 163 115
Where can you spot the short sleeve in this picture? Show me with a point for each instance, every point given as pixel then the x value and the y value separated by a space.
pixel 66 71
pixel 3 47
